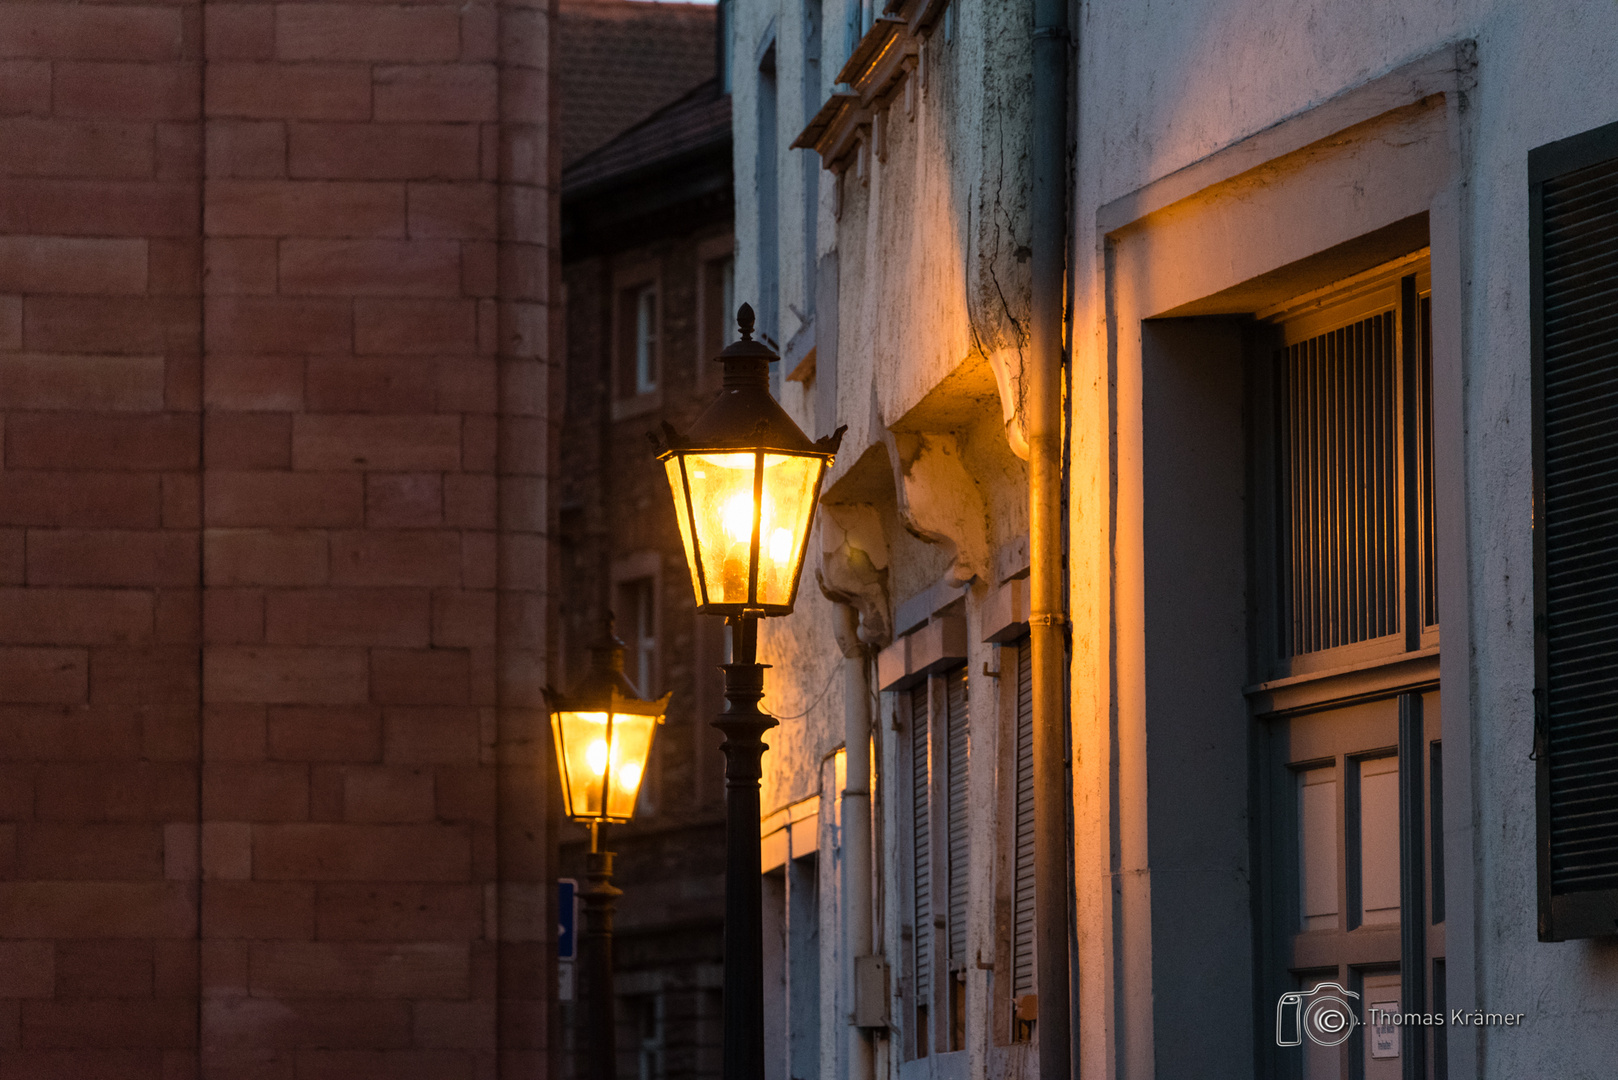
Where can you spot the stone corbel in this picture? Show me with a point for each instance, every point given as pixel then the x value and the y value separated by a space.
pixel 939 501
pixel 1008 379
pixel 854 566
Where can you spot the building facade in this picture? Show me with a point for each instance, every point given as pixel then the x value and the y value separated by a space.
pixel 648 269
pixel 276 343
pixel 1336 324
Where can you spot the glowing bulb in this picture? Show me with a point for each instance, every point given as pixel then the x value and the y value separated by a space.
pixel 596 756
pixel 738 517
pixel 780 545
pixel 629 777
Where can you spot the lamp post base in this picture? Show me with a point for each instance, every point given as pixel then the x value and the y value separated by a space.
pixel 598 1046
pixel 743 725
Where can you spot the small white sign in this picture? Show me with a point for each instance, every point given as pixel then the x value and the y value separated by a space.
pixel 1384 1032
pixel 564 981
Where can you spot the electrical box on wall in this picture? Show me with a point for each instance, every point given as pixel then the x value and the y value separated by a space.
pixel 870 992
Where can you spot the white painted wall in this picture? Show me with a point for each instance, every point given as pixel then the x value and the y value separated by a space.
pixel 1163 85
pixel 933 288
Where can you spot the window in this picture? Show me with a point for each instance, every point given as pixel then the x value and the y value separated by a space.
pixel 1573 303
pixel 1352 801
pixel 938 741
pixel 646 1012
pixel 718 305
pixel 1357 815
pixel 803 966
pixel 766 183
pixel 638 361
pixel 727 19
pixel 637 627
pixel 645 340
pixel 1352 460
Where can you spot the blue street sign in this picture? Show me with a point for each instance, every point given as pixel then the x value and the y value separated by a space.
pixel 566 917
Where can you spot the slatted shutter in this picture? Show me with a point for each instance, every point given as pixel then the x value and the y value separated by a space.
pixel 1022 889
pixel 921 867
pixel 1574 311
pixel 960 867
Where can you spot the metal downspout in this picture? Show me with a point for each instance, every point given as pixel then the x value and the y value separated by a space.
pixel 856 826
pixel 1047 619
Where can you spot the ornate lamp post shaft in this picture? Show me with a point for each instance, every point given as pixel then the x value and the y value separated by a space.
pixel 600 1033
pixel 744 726
pixel 745 480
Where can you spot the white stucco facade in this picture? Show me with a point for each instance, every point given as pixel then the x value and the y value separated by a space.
pixel 1227 155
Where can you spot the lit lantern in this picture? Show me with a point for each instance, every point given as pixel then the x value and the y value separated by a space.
pixel 603 736
pixel 745 481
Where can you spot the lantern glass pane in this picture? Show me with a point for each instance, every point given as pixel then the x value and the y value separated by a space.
pixel 581 745
pixel 594 769
pixel 722 503
pixel 631 746
pixel 788 503
pixel 680 513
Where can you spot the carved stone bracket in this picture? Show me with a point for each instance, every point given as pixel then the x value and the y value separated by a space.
pixel 939 501
pixel 854 566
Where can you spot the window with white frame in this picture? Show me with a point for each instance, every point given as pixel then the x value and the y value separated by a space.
pixel 637 340
pixel 646 340
pixel 637 628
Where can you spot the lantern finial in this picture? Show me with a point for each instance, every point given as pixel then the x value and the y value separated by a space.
pixel 607 651
pixel 744 321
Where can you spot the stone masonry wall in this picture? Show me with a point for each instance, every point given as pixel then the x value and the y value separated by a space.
pixel 275 354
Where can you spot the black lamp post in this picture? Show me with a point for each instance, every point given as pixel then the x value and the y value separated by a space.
pixel 603 736
pixel 745 480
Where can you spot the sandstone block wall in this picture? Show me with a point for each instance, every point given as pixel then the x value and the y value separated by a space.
pixel 275 366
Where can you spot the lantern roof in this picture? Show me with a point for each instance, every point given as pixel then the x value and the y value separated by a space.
pixel 746 415
pixel 605 687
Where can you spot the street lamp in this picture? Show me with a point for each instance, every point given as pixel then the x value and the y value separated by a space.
pixel 745 481
pixel 603 736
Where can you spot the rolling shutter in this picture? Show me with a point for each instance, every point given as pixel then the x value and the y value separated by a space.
pixel 1022 890
pixel 921 870
pixel 1574 308
pixel 959 823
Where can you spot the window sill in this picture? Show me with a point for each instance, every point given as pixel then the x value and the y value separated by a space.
pixel 1363 681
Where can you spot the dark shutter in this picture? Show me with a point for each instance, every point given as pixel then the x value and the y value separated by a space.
pixel 921 868
pixel 1022 889
pixel 959 812
pixel 1573 236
